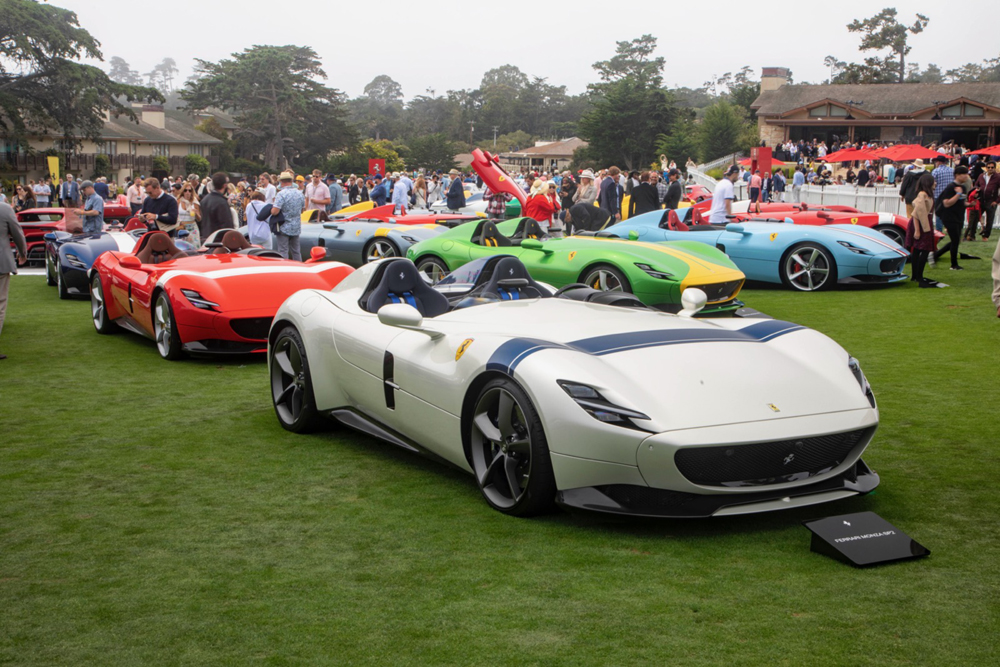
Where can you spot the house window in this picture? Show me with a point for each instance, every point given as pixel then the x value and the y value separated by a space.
pixel 196 149
pixel 973 110
pixel 954 111
pixel 107 148
pixel 838 112
pixel 818 112
pixel 161 150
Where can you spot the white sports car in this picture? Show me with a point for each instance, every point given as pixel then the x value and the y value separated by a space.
pixel 581 398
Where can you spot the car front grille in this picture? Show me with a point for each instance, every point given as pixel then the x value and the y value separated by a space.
pixel 255 328
pixel 891 266
pixel 762 463
pixel 646 499
pixel 719 292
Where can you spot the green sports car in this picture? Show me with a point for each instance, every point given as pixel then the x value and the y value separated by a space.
pixel 656 273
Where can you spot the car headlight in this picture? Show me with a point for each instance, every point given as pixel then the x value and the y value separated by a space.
pixel 853 248
pixel 75 261
pixel 859 375
pixel 662 275
pixel 600 408
pixel 410 239
pixel 198 301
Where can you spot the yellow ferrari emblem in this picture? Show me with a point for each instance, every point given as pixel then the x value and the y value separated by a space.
pixel 571 256
pixel 357 233
pixel 854 221
pixel 774 408
pixel 382 231
pixel 463 347
pixel 503 178
pixel 774 236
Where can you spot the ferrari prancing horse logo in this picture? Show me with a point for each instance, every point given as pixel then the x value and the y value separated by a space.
pixel 774 236
pixel 854 221
pixel 773 407
pixel 357 233
pixel 571 256
pixel 463 347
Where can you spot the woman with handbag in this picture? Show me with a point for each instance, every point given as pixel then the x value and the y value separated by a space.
pixel 258 230
pixel 189 214
pixel 920 231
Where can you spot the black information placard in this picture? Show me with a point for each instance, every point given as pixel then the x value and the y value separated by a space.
pixel 863 539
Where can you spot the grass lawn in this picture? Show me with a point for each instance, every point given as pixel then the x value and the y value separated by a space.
pixel 155 513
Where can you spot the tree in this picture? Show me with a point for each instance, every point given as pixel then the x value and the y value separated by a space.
pixel 40 80
pixel 102 166
pixel 161 163
pixel 836 66
pixel 431 152
pixel 884 31
pixel 681 143
pixel 513 141
pixel 378 111
pixel 196 164
pixel 227 152
pixel 633 60
pixel 121 72
pixel 724 130
pixel 277 101
pixel 356 159
pixel 932 74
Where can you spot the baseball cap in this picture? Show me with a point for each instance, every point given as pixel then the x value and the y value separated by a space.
pixel 732 170
pixel 86 184
pixel 300 177
pixel 674 172
pixel 940 158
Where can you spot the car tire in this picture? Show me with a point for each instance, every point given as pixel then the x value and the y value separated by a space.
pixel 61 284
pixel 509 453
pixel 168 340
pixel 606 278
pixel 50 278
pixel 379 248
pixel 808 267
pixel 894 232
pixel 98 307
pixel 432 269
pixel 291 383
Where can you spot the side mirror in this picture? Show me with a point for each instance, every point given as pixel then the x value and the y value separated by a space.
pixel 693 300
pixel 317 254
pixel 400 315
pixel 51 236
pixel 735 228
pixel 130 262
pixel 633 235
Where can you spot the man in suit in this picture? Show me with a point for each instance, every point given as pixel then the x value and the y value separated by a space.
pixel 10 232
pixel 69 192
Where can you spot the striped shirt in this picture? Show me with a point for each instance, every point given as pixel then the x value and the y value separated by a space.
pixel 943 175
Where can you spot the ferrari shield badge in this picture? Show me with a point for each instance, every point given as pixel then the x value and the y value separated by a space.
pixel 502 179
pixel 463 347
pixel 854 221
pixel 774 236
pixel 774 408
pixel 571 256
pixel 357 233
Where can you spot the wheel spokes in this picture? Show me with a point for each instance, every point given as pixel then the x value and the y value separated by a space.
pixel 486 427
pixel 295 358
pixel 510 468
pixel 491 469
pixel 505 415
pixel 281 357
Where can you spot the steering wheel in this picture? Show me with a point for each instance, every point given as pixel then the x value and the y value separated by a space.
pixel 571 286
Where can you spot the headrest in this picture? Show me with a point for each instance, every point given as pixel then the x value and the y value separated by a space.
pixel 234 241
pixel 159 243
pixel 510 267
pixel 402 276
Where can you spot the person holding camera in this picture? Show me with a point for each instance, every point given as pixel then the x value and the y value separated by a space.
pixel 950 208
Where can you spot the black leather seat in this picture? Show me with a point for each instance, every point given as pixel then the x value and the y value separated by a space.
pixel 487 234
pixel 400 282
pixel 528 228
pixel 510 281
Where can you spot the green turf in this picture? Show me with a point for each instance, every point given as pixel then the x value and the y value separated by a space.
pixel 154 513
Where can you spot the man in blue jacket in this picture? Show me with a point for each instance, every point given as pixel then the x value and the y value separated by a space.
pixel 379 193
pixel 69 192
pixel 456 192
pixel 610 198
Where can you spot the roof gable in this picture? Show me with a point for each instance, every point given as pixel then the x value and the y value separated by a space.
pixel 876 99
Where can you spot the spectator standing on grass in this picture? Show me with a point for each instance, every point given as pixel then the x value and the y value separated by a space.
pixel 779 185
pixel 539 205
pixel 135 194
pixel 456 192
pixel 259 231
pixel 420 192
pixel 722 198
pixel 336 194
pixel 989 194
pixel 587 192
pixel 943 177
pixel 950 208
pixel 923 229
pixel 24 199
pixel 215 210
pixel 496 203
pixel 159 207
pixel 11 234
pixel 672 198
pixel 434 191
pixel 908 188
pixel 101 188
pixel 42 193
pixel 400 196
pixel 290 202
pixel 264 186
pixel 644 197
pixel 317 192
pixel 189 213
pixel 798 180
pixel 611 194
pixel 380 193
pixel 755 183
pixel 93 209
pixel 567 188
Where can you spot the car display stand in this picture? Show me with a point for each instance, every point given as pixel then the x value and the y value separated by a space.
pixel 862 540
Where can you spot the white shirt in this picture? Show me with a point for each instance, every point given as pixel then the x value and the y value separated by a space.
pixel 723 191
pixel 270 192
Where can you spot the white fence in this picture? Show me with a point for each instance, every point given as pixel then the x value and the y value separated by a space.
pixel 719 163
pixel 880 199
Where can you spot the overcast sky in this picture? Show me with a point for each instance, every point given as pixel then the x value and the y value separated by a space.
pixel 423 45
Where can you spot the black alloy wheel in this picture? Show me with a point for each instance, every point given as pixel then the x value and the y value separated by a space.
pixel 510 456
pixel 291 385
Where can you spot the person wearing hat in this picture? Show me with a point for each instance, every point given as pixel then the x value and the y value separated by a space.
pixel 587 192
pixel 380 193
pixel 456 192
pixel 672 199
pixel 93 209
pixel 943 177
pixel 722 198
pixel 289 202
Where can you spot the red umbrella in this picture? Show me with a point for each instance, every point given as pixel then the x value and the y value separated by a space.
pixel 992 150
pixel 907 153
pixel 849 155
pixel 774 162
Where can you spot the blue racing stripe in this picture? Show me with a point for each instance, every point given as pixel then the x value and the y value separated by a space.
pixel 510 354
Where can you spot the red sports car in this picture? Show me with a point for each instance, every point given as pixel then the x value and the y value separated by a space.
pixel 220 303
pixel 37 222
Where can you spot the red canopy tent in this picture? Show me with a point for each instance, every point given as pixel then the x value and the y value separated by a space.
pixel 990 150
pixel 849 155
pixel 907 153
pixel 774 162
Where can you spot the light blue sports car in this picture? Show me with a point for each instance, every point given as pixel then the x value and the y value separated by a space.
pixel 804 257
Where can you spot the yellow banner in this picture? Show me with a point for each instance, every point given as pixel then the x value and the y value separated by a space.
pixel 54 167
